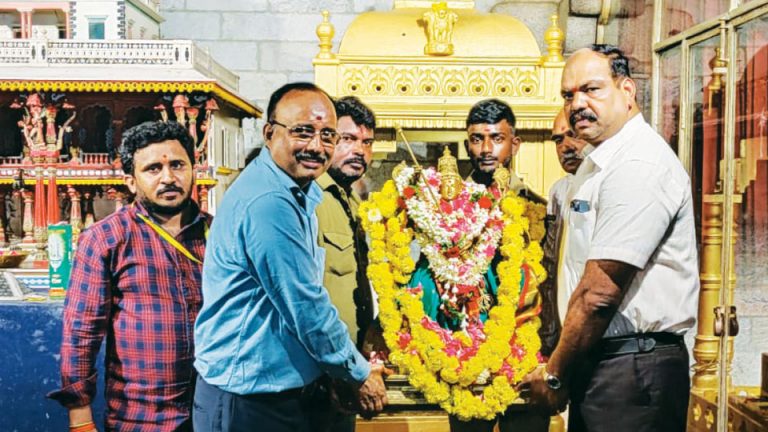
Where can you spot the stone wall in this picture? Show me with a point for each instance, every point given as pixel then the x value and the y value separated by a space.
pixel 271 42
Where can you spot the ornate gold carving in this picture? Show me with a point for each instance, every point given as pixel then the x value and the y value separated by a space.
pixel 458 122
pixel 709 419
pixel 502 177
pixel 554 38
pixel 441 81
pixel 424 4
pixel 696 412
pixel 325 32
pixel 439 23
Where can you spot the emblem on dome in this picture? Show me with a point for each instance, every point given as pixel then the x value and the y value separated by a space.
pixel 439 24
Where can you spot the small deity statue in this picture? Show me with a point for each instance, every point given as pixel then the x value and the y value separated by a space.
pixel 439 22
pixel 451 183
pixel 180 104
pixel 74 155
pixel 201 150
pixel 65 132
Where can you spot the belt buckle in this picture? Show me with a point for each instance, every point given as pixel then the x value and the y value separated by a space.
pixel 646 344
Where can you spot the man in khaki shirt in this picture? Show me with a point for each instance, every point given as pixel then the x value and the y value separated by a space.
pixel 339 231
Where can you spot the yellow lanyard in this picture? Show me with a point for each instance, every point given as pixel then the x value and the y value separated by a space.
pixel 169 238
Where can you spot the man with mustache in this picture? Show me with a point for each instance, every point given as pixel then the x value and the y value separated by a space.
pixel 629 267
pixel 341 235
pixel 136 281
pixel 267 329
pixel 491 144
pixel 568 149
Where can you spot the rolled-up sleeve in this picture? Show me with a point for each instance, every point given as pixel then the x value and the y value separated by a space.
pixel 292 279
pixel 634 214
pixel 86 309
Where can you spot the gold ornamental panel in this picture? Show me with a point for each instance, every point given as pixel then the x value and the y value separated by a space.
pixel 402 80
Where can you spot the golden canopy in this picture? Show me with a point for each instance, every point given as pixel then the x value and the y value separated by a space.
pixel 400 33
pixel 422 65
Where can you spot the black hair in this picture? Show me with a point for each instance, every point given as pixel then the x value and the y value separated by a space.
pixel 618 61
pixel 491 111
pixel 357 110
pixel 280 93
pixel 153 132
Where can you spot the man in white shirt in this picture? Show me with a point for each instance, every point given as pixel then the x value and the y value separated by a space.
pixel 568 149
pixel 629 268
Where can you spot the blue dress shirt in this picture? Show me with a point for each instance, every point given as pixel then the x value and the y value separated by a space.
pixel 267 323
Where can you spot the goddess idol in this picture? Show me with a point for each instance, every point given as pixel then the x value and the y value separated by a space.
pixel 462 321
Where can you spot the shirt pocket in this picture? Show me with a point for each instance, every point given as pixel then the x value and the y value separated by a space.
pixel 581 228
pixel 340 253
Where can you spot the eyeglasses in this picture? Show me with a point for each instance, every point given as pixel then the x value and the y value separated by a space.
pixel 305 133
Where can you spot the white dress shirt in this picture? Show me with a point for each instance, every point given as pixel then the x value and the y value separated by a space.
pixel 630 201
pixel 557 195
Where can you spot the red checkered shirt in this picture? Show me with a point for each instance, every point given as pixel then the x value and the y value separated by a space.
pixel 139 291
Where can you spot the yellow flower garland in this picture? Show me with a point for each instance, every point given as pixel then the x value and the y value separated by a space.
pixel 441 377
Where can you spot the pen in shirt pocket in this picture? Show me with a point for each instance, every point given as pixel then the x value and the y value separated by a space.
pixel 580 206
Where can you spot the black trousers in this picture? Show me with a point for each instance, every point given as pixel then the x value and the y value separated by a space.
pixel 639 392
pixel 216 410
pixel 515 419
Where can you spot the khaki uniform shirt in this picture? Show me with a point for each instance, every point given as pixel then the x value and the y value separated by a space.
pixel 346 254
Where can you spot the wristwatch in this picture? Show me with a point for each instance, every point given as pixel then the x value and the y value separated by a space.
pixel 552 381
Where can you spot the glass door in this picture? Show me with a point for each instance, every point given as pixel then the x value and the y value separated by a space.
pixel 750 150
pixel 712 107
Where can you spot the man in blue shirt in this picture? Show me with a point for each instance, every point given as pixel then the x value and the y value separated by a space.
pixel 267 329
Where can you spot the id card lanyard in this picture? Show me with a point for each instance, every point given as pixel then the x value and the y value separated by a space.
pixel 170 239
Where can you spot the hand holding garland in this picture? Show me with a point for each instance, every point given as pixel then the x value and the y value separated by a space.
pixel 590 310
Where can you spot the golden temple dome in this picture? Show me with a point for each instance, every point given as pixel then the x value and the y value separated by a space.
pixel 402 33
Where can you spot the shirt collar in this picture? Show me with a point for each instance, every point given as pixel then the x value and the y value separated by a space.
pixel 602 155
pixel 327 183
pixel 136 207
pixel 312 192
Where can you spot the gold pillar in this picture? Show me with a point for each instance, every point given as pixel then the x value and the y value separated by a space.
pixel 706 347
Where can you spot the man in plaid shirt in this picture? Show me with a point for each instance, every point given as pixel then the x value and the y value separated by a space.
pixel 136 280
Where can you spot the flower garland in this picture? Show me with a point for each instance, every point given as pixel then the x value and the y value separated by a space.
pixel 470 373
pixel 459 238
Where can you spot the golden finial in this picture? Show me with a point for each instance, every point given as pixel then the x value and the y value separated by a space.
pixel 450 180
pixel 554 38
pixel 719 67
pixel 325 32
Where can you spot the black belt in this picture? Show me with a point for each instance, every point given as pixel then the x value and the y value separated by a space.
pixel 638 343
